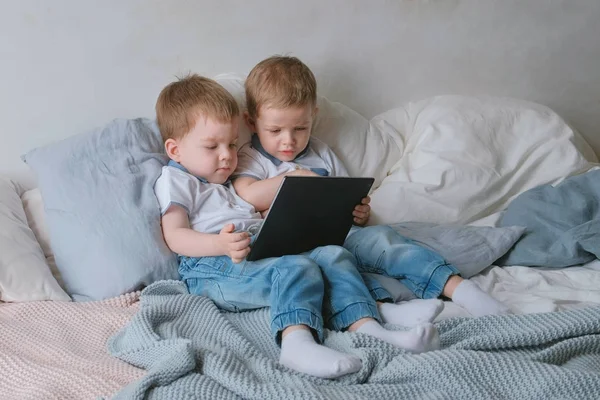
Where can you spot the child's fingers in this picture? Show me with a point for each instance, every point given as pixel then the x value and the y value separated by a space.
pixel 239 245
pixel 228 228
pixel 366 200
pixel 239 255
pixel 360 221
pixel 359 214
pixel 238 237
pixel 363 208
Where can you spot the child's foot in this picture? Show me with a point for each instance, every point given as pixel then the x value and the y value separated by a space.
pixel 423 338
pixel 477 302
pixel 300 352
pixel 410 313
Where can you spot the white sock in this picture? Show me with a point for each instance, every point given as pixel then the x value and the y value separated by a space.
pixel 422 338
pixel 300 352
pixel 410 313
pixel 477 302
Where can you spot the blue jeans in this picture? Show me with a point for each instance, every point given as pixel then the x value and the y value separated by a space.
pixel 318 288
pixel 378 292
pixel 381 250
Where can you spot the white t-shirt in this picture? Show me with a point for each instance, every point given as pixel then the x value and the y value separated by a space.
pixel 210 206
pixel 255 162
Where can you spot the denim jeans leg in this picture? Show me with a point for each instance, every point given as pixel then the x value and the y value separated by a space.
pixel 291 285
pixel 347 299
pixel 382 250
pixel 378 292
pixel 297 294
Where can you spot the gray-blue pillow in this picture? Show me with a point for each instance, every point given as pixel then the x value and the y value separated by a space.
pixel 102 215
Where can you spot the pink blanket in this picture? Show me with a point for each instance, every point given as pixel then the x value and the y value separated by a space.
pixel 57 350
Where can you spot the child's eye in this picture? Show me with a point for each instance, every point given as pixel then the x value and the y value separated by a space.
pixel 211 147
pixel 301 128
pixel 233 145
pixel 275 130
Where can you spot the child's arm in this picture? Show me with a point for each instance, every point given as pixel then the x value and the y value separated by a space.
pixel 260 193
pixel 183 240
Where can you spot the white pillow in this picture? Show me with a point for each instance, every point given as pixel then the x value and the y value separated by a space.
pixel 36 218
pixel 365 149
pixel 464 158
pixel 24 274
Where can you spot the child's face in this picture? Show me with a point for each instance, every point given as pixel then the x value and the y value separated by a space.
pixel 209 150
pixel 284 132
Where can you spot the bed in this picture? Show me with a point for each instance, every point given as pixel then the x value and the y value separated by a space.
pixel 458 162
pixel 89 303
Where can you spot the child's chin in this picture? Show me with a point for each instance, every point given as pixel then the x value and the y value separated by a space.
pixel 287 158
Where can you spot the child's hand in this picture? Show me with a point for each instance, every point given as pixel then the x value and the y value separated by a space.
pixel 362 212
pixel 235 245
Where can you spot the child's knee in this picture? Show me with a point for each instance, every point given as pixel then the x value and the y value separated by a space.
pixel 333 255
pixel 298 265
pixel 335 251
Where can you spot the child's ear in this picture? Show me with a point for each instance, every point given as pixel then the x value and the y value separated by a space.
pixel 172 149
pixel 249 122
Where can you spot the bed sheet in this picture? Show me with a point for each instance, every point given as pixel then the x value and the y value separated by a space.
pixel 531 290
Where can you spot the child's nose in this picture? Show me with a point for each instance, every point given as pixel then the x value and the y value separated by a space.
pixel 288 138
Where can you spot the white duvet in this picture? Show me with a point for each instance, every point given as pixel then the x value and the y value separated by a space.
pixel 464 158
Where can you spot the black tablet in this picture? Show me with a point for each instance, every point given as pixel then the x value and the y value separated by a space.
pixel 309 212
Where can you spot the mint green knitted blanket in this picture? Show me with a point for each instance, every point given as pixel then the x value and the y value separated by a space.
pixel 191 350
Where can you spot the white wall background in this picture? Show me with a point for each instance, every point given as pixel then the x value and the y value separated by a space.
pixel 70 65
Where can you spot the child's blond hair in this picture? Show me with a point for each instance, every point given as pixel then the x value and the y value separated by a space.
pixel 181 102
pixel 280 82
